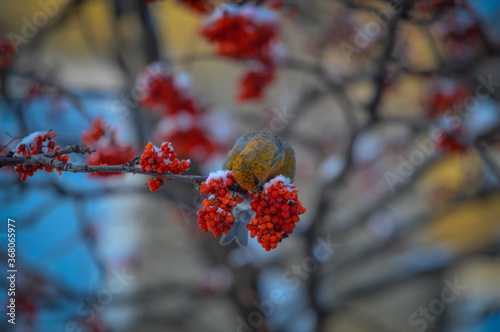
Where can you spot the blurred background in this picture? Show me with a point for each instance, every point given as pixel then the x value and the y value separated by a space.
pixel 392 108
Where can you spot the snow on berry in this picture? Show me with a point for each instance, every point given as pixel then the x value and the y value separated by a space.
pixel 215 216
pixel 243 32
pixel 161 160
pixel 39 142
pixel 280 178
pixel 277 211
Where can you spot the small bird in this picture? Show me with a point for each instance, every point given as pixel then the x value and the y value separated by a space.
pixel 254 159
pixel 257 157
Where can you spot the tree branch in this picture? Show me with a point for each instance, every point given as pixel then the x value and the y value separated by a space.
pixel 130 167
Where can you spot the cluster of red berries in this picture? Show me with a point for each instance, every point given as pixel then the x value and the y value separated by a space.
pixel 215 216
pixel 37 143
pixel 110 154
pixel 7 52
pixel 254 82
pixel 102 138
pixel 182 121
pixel 155 183
pixel 161 160
pixel 460 32
pixel 242 33
pixel 96 131
pixel 247 32
pixel 277 208
pixel 186 131
pixel 277 211
pixel 162 90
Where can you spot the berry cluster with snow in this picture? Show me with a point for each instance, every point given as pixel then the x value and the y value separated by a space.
pixel 161 160
pixel 247 33
pixel 161 90
pixel 215 216
pixel 277 211
pixel 39 142
pixel 182 117
pixel 277 208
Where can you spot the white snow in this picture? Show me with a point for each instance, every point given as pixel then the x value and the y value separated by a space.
pixel 219 12
pixel 261 15
pixel 220 174
pixel 447 86
pixel 165 127
pixel 367 147
pixel 157 67
pixel 29 141
pixel 331 167
pixel 184 121
pixel 286 182
pixel 278 51
pixel 182 80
